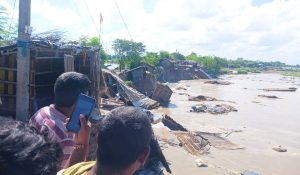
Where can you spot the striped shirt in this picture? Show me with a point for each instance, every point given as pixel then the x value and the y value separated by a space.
pixel 48 118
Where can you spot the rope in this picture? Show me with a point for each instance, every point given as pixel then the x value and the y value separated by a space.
pixel 123 19
pixel 95 25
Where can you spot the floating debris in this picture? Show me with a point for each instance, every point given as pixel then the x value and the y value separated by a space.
pixel 217 82
pixel 249 173
pixel 180 93
pixel 268 96
pixel 213 109
pixel 181 88
pixel 217 141
pixel 172 124
pixel 193 144
pixel 201 98
pixel 162 93
pixel 200 163
pixel 279 149
pixel 291 89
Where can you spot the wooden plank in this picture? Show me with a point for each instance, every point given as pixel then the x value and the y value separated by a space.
pixel 7 68
pixel 7 82
pixel 2 88
pixel 48 58
pixel 68 63
pixel 41 85
pixel 7 95
pixel 46 72
pixel 2 74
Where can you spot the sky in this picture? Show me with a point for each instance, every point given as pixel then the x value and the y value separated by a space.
pixel 266 30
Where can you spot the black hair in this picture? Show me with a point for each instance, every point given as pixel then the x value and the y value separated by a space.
pixel 68 86
pixel 123 136
pixel 24 151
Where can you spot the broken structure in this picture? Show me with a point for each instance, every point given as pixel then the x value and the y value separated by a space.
pixel 176 70
pixel 47 62
pixel 143 79
pixel 118 88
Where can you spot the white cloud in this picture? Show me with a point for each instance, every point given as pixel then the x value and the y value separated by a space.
pixel 227 28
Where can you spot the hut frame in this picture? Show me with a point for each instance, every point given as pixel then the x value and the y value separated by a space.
pixel 47 62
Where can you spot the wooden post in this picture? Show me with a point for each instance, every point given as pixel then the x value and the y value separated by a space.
pixel 69 63
pixel 23 61
pixel 95 76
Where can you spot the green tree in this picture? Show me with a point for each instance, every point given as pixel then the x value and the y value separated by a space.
pixel 94 42
pixel 192 57
pixel 129 52
pixel 164 54
pixel 152 58
pixel 177 56
pixel 8 34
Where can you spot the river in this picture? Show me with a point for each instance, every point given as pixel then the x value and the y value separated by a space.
pixel 263 122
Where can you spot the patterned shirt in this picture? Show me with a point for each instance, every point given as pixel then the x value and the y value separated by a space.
pixel 48 118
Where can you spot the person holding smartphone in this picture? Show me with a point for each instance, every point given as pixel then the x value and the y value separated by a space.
pixel 52 119
pixel 123 141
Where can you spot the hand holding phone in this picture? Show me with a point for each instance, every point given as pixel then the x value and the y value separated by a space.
pixel 84 106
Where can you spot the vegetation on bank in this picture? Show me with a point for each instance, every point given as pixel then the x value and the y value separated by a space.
pixel 130 54
pixel 292 72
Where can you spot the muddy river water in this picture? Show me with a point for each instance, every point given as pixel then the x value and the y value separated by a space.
pixel 262 123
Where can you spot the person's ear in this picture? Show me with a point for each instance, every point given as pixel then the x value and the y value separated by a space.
pixel 144 156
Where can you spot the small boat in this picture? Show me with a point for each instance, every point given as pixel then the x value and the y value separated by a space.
pixel 291 89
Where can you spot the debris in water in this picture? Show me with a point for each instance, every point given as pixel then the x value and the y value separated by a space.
pixel 162 93
pixel 217 141
pixel 249 173
pixel 217 82
pixel 291 89
pixel 172 124
pixel 180 93
pixel 194 145
pixel 201 98
pixel 200 163
pixel 268 96
pixel 279 149
pixel 181 88
pixel 213 109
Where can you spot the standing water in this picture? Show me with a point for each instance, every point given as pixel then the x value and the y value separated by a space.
pixel 262 124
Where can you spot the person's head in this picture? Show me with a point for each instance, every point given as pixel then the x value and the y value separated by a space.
pixel 123 140
pixel 68 86
pixel 24 151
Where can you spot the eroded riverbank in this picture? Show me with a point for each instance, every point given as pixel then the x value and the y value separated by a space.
pixel 263 123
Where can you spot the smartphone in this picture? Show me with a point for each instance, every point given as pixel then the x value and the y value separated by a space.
pixel 84 105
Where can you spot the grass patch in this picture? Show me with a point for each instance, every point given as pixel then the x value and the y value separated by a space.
pixel 292 73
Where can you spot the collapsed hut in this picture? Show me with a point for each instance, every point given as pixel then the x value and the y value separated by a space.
pixel 176 70
pixel 144 79
pixel 117 87
pixel 47 62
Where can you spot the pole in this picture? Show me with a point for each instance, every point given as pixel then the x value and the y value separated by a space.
pixel 23 61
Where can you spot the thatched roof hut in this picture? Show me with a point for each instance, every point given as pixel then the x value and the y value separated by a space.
pixel 47 62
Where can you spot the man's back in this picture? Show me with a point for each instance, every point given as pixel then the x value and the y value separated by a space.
pixel 51 121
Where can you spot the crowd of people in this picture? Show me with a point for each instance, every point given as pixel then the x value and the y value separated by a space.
pixel 44 146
